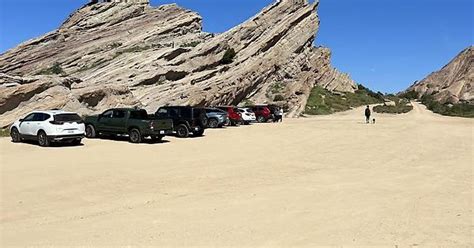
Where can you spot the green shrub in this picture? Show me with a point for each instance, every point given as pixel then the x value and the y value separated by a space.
pixel 4 132
pixel 56 69
pixel 397 109
pixel 229 56
pixel 459 109
pixel 409 95
pixel 277 88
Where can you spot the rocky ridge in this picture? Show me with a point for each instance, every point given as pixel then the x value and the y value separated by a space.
pixel 122 54
pixel 454 83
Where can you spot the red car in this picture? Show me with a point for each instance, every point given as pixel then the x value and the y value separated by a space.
pixel 262 113
pixel 235 116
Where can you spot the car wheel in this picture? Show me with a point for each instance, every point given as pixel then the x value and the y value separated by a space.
pixel 182 131
pixel 213 123
pixel 261 119
pixel 90 132
pixel 135 136
pixel 43 139
pixel 15 135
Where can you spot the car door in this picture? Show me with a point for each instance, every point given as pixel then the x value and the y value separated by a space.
pixel 103 121
pixel 26 125
pixel 38 123
pixel 117 122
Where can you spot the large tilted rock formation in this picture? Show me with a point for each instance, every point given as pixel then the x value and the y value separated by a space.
pixel 121 54
pixel 454 83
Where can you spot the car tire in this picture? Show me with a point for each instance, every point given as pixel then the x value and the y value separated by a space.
pixel 91 132
pixel 182 131
pixel 15 135
pixel 43 139
pixel 213 123
pixel 261 119
pixel 135 136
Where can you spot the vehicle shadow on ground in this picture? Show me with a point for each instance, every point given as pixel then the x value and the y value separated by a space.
pixel 126 139
pixel 52 145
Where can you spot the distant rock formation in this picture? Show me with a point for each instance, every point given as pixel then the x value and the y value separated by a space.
pixel 454 83
pixel 112 54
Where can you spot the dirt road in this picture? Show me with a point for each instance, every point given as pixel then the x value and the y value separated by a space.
pixel 333 180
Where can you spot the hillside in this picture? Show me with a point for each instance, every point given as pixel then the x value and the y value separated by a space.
pixel 454 83
pixel 131 54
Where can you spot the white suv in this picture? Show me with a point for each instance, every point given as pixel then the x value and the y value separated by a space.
pixel 248 115
pixel 49 126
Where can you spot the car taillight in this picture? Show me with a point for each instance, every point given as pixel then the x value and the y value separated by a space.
pixel 56 122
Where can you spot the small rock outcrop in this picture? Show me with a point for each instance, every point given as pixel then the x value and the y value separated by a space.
pixel 112 54
pixel 454 83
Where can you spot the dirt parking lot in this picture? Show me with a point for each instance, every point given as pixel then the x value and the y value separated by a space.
pixel 323 181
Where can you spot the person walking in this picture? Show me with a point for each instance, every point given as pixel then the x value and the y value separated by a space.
pixel 280 114
pixel 367 114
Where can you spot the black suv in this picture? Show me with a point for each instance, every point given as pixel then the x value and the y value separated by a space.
pixel 186 120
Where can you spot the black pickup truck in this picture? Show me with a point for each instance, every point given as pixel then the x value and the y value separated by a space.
pixel 136 123
pixel 186 120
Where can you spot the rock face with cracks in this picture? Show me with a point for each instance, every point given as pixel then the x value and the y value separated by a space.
pixel 454 83
pixel 127 54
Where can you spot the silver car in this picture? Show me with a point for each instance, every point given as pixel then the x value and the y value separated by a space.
pixel 216 118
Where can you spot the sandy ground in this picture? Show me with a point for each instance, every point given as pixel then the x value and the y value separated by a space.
pixel 326 181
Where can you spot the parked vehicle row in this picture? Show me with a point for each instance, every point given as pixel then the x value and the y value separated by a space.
pixel 56 126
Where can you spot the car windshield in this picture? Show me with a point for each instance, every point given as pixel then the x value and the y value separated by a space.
pixel 67 118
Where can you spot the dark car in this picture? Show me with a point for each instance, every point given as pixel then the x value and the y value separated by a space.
pixel 262 112
pixel 233 113
pixel 216 117
pixel 186 120
pixel 132 122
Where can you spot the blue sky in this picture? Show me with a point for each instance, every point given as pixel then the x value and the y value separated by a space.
pixel 384 44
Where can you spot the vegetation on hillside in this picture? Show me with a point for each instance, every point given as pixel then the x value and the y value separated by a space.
pixel 402 105
pixel 412 95
pixel 448 109
pixel 4 132
pixel 229 56
pixel 460 109
pixel 323 102
pixel 56 69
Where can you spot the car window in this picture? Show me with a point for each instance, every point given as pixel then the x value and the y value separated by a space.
pixel 162 112
pixel 38 117
pixel 45 117
pixel 118 114
pixel 139 115
pixel 186 112
pixel 108 114
pixel 67 118
pixel 29 117
pixel 173 112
